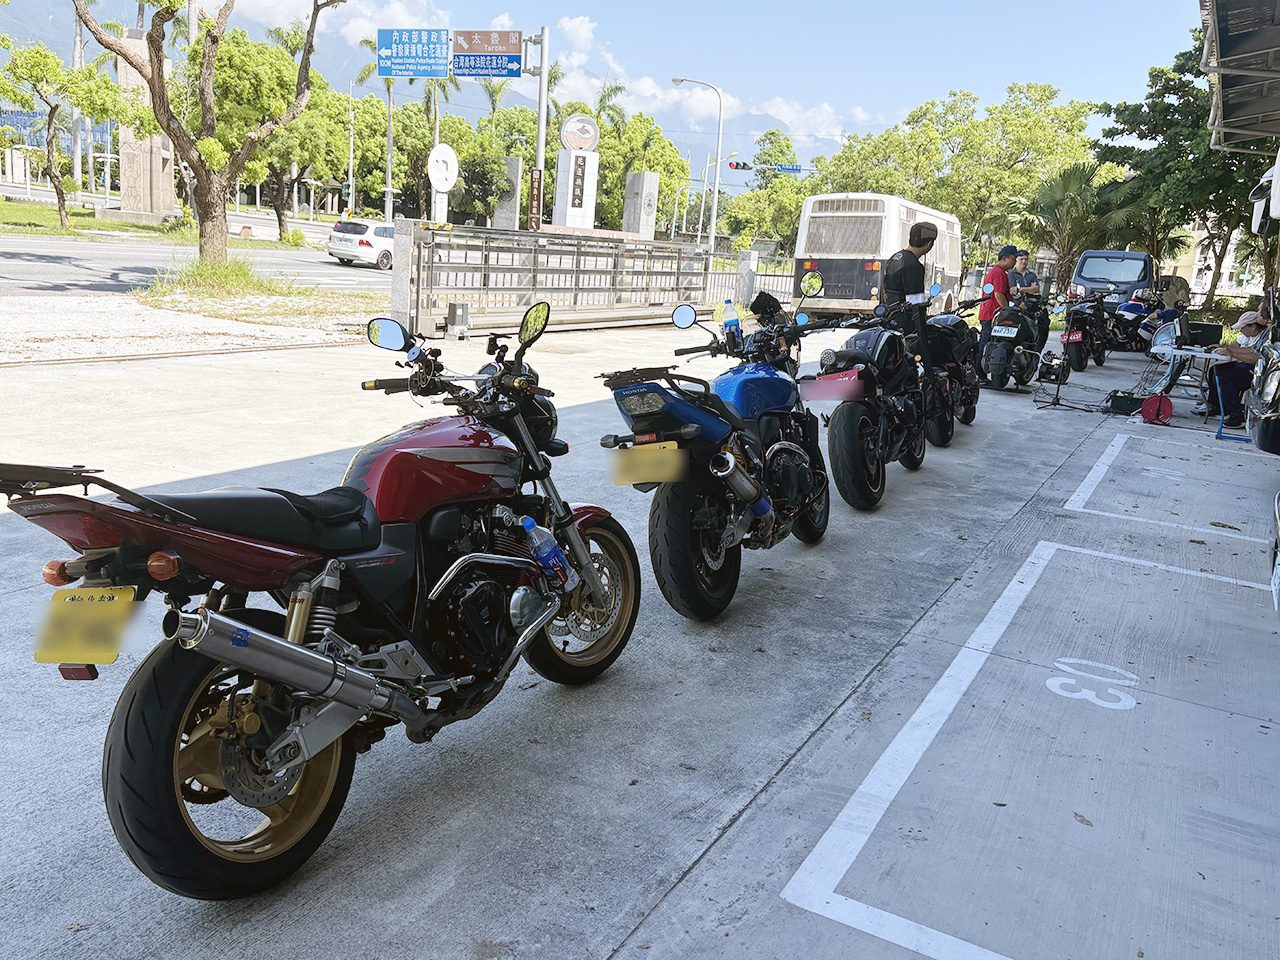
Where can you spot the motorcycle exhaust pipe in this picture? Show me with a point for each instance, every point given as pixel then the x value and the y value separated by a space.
pixel 297 666
pixel 724 466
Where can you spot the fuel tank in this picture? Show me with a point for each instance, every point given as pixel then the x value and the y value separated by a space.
pixel 432 463
pixel 951 340
pixel 755 389
pixel 886 348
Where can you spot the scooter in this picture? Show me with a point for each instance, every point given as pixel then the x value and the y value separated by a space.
pixel 407 595
pixel 1012 351
pixel 732 463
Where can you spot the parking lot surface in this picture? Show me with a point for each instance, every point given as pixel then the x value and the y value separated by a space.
pixel 1022 710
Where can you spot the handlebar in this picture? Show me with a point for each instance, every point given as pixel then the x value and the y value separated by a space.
pixel 703 348
pixel 394 385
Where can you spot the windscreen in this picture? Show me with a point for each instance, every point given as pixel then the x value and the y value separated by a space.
pixel 1112 270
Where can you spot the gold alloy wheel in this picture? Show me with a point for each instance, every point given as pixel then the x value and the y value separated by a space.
pixel 223 825
pixel 597 630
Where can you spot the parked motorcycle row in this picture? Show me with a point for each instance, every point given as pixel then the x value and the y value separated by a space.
pixel 407 594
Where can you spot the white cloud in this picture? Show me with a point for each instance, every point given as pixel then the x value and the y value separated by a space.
pixel 502 21
pixel 580 31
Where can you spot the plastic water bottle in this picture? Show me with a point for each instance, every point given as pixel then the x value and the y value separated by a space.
pixel 732 328
pixel 555 565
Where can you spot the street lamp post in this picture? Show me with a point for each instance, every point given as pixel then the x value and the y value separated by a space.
pixel 702 206
pixel 715 196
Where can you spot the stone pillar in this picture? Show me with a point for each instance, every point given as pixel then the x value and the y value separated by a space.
pixel 506 216
pixel 403 309
pixel 146 163
pixel 577 172
pixel 640 204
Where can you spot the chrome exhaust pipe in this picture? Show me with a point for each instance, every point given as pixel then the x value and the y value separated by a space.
pixel 272 658
pixel 724 465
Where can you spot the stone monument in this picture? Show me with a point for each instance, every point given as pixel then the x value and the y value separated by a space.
pixel 640 204
pixel 577 173
pixel 507 214
pixel 146 163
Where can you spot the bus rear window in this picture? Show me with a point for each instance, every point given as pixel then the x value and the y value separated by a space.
pixel 838 236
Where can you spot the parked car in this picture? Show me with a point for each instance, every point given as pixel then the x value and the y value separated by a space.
pixel 1119 275
pixel 362 241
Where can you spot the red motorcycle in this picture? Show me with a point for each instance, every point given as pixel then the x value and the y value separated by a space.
pixel 407 595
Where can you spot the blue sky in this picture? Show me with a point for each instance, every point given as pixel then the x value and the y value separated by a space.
pixel 814 69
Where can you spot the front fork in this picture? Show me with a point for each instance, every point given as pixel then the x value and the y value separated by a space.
pixel 562 515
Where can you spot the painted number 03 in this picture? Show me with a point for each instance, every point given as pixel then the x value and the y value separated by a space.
pixel 1098 683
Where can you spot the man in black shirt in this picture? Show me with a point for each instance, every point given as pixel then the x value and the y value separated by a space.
pixel 902 281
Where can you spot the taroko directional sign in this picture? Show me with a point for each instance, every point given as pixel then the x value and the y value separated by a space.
pixel 413 53
pixel 487 53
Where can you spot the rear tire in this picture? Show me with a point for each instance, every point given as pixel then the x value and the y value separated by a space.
pixel 940 429
pixel 344 261
pixel 1100 354
pixel 1026 374
pixel 913 459
pixel 811 526
pixel 384 260
pixel 1076 357
pixel 852 436
pixel 698 583
pixel 145 800
pixel 619 570
pixel 1000 380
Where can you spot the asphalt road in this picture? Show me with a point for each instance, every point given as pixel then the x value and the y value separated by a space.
pixel 1023 710
pixel 30 264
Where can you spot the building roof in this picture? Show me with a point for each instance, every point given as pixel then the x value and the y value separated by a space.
pixel 1242 60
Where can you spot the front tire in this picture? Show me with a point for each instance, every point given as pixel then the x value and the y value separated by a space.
pixel 157 735
pixel 811 526
pixel 587 639
pixel 913 459
pixel 853 437
pixel 968 414
pixel 384 260
pixel 1100 354
pixel 697 578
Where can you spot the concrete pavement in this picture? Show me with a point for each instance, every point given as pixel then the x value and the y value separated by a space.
pixel 1020 711
pixel 41 264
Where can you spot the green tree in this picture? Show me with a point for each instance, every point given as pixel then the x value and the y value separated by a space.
pixel 435 90
pixel 516 130
pixel 1165 139
pixel 1073 211
pixel 1256 253
pixel 493 91
pixel 215 159
pixel 641 146
pixel 1154 227
pixel 33 75
pixel 292 38
pixel 955 156
pixel 314 146
pixel 607 111
pixel 771 213
pixel 481 178
pixel 772 148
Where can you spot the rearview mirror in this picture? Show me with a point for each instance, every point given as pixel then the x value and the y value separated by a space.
pixel 988 288
pixel 684 316
pixel 811 283
pixel 802 319
pixel 935 290
pixel 534 323
pixel 387 334
pixel 879 310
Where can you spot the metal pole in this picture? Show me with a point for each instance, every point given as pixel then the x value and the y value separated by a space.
pixel 77 61
pixel 544 66
pixel 702 205
pixel 293 175
pixel 192 18
pixel 715 196
pixel 386 211
pixel 351 149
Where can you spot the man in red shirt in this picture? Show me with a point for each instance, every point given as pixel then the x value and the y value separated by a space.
pixel 998 277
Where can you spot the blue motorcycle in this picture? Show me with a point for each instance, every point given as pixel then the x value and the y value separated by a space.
pixel 735 462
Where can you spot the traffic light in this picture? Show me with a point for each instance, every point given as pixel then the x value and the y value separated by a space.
pixel 739 165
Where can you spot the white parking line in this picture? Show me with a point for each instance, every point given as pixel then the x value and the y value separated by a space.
pixel 813 886
pixel 1076 502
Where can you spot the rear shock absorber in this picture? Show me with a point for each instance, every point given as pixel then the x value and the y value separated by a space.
pixel 324 602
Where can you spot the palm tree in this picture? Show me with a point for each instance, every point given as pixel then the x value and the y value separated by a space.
pixel 608 110
pixel 435 90
pixel 1254 251
pixel 292 38
pixel 366 72
pixel 1157 230
pixel 494 89
pixel 1072 212
pixel 555 75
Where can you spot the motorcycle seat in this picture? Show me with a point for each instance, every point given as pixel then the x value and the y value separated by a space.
pixel 338 520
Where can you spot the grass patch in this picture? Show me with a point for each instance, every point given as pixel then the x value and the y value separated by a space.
pixel 234 278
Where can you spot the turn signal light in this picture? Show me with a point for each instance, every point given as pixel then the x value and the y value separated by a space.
pixel 55 573
pixel 163 565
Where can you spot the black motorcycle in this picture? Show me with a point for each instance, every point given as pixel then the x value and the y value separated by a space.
pixel 1012 350
pixel 1034 306
pixel 953 346
pixel 1086 333
pixel 882 416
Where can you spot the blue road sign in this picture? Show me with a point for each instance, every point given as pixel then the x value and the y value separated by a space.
pixel 486 65
pixel 413 53
pixel 787 167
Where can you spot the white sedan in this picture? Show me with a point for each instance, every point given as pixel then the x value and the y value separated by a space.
pixel 362 241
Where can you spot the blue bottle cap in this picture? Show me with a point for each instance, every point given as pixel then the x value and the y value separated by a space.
pixel 528 524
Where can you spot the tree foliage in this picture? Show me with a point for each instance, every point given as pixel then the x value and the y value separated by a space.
pixel 772 148
pixel 641 146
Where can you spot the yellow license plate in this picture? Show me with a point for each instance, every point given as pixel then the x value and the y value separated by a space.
pixel 85 625
pixel 649 463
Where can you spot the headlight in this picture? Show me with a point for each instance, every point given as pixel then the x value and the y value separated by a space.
pixel 827 361
pixel 638 404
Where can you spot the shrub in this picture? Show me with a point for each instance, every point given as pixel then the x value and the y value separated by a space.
pixel 294 238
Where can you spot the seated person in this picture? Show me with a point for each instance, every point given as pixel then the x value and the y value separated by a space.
pixel 1235 377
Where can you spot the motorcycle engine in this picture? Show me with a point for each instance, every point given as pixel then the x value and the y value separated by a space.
pixel 479 635
pixel 787 473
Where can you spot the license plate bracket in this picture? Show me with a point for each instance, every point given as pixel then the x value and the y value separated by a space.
pixel 662 462
pixel 1004 331
pixel 85 625
pixel 1073 336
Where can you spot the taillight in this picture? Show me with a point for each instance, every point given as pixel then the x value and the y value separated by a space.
pixel 163 565
pixel 55 573
pixel 82 530
pixel 365 243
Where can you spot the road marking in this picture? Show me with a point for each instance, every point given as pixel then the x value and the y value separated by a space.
pixel 813 886
pixel 1076 502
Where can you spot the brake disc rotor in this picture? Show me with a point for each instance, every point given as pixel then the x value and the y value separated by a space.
pixel 585 620
pixel 250 785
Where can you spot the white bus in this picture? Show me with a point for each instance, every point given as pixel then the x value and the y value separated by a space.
pixel 847 236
